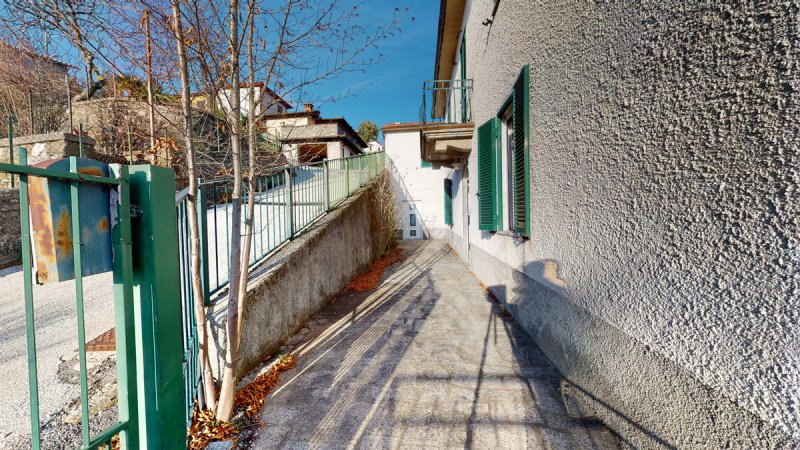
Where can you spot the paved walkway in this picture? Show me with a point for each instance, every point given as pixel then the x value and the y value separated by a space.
pixel 425 361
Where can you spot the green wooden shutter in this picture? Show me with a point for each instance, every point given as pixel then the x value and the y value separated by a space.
pixel 448 201
pixel 520 169
pixel 489 216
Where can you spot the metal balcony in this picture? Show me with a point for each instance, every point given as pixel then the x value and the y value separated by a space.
pixel 446 121
pixel 446 101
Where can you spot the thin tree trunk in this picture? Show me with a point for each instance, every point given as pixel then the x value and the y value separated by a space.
pixel 149 55
pixel 228 394
pixel 209 388
pixel 251 169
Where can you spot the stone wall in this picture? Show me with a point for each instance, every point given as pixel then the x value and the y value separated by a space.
pixel 662 274
pixel 121 127
pixel 42 147
pixel 299 280
pixel 10 242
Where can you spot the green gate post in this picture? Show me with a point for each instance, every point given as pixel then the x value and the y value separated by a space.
pixel 157 309
pixel 124 314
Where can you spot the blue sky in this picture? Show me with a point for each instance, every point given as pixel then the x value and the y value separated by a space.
pixel 390 91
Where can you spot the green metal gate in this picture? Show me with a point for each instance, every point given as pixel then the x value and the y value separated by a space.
pixel 155 359
pixel 127 425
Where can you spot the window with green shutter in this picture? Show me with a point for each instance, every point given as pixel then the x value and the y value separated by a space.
pixel 448 201
pixel 489 166
pixel 520 156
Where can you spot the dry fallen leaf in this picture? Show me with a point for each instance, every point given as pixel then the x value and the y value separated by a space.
pixel 369 279
pixel 205 428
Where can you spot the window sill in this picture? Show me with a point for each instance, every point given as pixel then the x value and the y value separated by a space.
pixel 516 236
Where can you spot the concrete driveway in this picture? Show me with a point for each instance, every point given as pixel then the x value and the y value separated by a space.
pixel 427 360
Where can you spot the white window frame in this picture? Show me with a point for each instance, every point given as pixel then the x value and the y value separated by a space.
pixel 506 143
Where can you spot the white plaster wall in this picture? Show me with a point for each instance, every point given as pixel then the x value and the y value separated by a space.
pixel 224 98
pixel 664 203
pixel 424 186
pixel 336 150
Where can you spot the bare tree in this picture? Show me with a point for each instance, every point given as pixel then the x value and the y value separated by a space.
pixel 209 388
pixel 287 45
pixel 74 20
pixel 227 392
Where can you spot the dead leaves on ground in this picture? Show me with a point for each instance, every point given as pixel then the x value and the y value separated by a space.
pixel 250 399
pixel 368 280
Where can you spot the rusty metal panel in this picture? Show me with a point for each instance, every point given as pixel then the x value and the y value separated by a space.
pixel 50 213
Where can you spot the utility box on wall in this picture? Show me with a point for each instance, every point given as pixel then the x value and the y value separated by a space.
pixel 51 222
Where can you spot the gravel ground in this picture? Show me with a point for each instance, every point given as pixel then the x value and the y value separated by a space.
pixel 56 342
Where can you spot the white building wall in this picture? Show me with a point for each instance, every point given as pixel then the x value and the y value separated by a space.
pixel 422 186
pixel 336 150
pixel 224 101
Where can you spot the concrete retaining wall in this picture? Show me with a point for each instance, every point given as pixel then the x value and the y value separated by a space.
pixel 299 280
pixel 10 244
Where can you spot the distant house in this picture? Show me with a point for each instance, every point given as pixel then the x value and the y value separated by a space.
pixel 272 103
pixel 374 147
pixel 623 180
pixel 23 60
pixel 33 90
pixel 307 137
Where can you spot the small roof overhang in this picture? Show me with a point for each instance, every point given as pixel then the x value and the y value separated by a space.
pixel 446 144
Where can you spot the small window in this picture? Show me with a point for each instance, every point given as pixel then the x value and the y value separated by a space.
pixel 412 233
pixel 448 201
pixel 412 220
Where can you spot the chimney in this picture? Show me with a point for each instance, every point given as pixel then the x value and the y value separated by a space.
pixel 309 107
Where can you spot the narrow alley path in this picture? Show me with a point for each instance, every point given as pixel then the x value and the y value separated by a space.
pixel 425 361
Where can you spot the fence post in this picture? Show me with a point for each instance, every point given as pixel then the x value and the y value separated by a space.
pixel 80 140
pixel 27 276
pixel 289 215
pixel 157 309
pixel 11 146
pixel 202 225
pixel 124 320
pixel 347 177
pixel 326 188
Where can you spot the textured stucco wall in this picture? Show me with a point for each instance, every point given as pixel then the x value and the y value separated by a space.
pixel 299 280
pixel 10 239
pixel 665 177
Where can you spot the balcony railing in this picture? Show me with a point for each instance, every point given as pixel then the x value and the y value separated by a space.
pixel 446 101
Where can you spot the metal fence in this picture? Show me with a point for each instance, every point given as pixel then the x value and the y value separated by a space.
pixel 287 201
